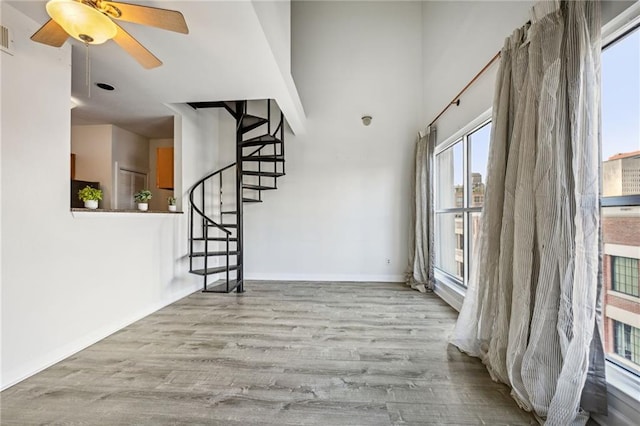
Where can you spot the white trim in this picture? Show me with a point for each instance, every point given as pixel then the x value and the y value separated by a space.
pixel 448 290
pixel 621 23
pixel 270 276
pixel 624 397
pixel 632 252
pixel 622 315
pixel 624 364
pixel 474 125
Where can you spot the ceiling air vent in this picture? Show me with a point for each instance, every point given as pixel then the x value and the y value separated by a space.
pixel 6 44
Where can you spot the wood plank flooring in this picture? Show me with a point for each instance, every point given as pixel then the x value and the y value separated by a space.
pixel 283 353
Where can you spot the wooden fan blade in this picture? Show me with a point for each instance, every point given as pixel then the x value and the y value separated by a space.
pixel 51 33
pixel 135 49
pixel 166 19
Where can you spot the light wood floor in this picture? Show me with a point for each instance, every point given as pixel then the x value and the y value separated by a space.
pixel 282 353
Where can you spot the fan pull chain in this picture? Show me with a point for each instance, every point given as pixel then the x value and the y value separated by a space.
pixel 87 71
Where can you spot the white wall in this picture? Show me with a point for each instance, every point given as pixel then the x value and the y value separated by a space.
pixel 92 146
pixel 194 160
pixel 459 38
pixel 343 208
pixel 275 19
pixel 69 281
pixel 159 200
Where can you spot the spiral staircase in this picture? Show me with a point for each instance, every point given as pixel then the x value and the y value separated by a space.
pixel 216 201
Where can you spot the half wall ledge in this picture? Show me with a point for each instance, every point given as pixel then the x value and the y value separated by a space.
pixel 83 213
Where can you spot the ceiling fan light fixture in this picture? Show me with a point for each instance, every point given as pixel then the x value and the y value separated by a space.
pixel 81 21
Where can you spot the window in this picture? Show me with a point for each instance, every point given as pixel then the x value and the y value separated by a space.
pixel 626 340
pixel 460 170
pixel 624 276
pixel 620 188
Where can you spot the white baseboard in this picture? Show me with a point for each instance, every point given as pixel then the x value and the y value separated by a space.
pixel 47 360
pixel 393 278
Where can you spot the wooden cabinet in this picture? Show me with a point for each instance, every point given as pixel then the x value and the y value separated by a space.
pixel 164 168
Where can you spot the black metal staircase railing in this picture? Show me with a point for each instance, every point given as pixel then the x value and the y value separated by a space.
pixel 211 226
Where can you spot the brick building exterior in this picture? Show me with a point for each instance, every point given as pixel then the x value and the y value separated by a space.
pixel 621 238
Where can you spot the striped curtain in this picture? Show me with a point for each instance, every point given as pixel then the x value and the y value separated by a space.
pixel 420 271
pixel 531 308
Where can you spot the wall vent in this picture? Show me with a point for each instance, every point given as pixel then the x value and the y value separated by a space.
pixel 6 43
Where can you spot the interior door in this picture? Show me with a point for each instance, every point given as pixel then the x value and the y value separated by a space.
pixel 129 182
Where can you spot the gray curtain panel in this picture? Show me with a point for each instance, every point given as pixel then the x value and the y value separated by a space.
pixel 532 305
pixel 420 271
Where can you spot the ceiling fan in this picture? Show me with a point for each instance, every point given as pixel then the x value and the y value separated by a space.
pixel 91 22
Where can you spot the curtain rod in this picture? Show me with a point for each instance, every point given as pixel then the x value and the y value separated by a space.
pixel 456 99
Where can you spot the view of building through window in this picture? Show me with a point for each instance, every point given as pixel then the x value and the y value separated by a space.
pixel 621 206
pixel 478 159
pixel 460 173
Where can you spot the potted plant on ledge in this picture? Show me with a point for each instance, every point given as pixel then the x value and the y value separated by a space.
pixel 172 204
pixel 142 198
pixel 90 196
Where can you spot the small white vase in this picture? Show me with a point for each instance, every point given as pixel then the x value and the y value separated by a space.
pixel 143 206
pixel 172 208
pixel 91 204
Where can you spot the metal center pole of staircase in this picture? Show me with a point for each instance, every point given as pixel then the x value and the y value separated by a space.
pixel 241 108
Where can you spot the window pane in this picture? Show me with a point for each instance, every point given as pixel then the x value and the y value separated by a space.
pixel 624 275
pixel 478 157
pixel 626 344
pixel 449 243
pixel 620 112
pixel 449 178
pixel 620 177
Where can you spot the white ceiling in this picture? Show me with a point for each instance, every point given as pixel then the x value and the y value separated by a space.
pixel 225 56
